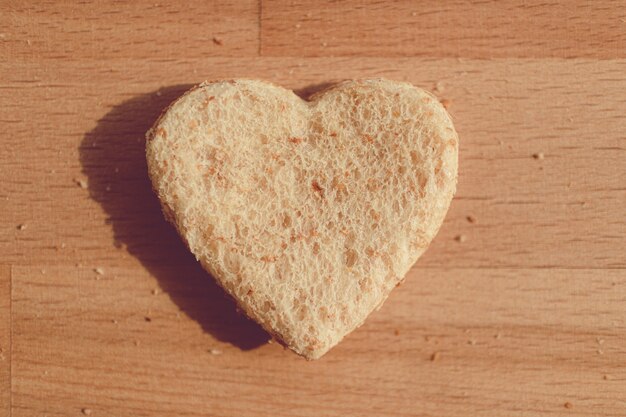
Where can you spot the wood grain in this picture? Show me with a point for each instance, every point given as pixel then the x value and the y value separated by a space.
pixel 478 29
pixel 5 340
pixel 56 30
pixel 524 316
pixel 566 210
pixel 522 342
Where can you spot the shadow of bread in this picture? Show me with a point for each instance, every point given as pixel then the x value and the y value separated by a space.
pixel 112 157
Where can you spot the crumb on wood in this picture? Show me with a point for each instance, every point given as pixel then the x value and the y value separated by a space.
pixel 606 377
pixel 435 356
pixel 297 25
pixel 538 155
pixel 270 341
pixel 460 238
pixel 599 340
pixel 600 352
pixel 98 271
pixel 81 182
pixel 155 291
pixel 446 103
pixel 471 342
pixel 43 271
pixel 21 226
pixel 214 351
pixel 471 219
pixel 86 411
pixel 136 342
pixel 413 14
pixel 439 87
pixel 324 44
pixel 498 335
pixel 114 321
pixel 218 41
pixel 568 405
pixel 148 319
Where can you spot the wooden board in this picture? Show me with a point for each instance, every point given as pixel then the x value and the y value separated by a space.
pixel 5 339
pixel 525 316
pixel 457 28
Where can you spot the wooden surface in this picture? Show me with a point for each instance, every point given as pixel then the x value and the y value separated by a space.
pixel 519 312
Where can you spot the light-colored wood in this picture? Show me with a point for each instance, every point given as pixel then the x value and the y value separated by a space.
pixel 479 29
pixel 57 30
pixel 506 342
pixel 5 340
pixel 566 210
pixel 524 317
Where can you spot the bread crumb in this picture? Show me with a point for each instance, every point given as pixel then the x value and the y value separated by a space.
pixel 317 188
pixel 445 103
pixel 435 357
pixel 324 44
pixel 439 87
pixel 215 352
pixel 114 321
pixel 148 319
pixel 568 405
pixel 218 41
pixel 81 183
pixel 43 271
pixel 297 25
pixel 28 42
pixel 600 352
pixel 606 377
pixel 159 93
pixel 471 219
pixel 270 341
pixel 471 342
pixel 136 342
pixel 155 291
pixel 498 335
pixel 86 411
pixel 21 226
pixel 460 238
pixel 98 271
pixel 538 155
pixel 413 14
pixel 599 340
pixel 63 245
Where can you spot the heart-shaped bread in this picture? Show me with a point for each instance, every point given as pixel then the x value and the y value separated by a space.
pixel 308 213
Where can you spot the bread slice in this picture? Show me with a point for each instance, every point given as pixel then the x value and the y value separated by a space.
pixel 308 213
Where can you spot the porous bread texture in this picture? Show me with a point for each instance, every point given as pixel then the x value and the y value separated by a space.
pixel 307 213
